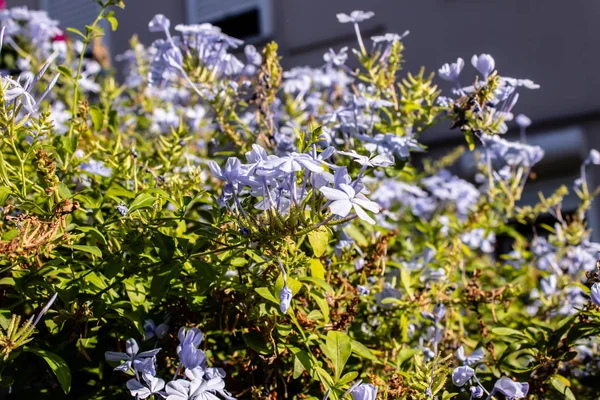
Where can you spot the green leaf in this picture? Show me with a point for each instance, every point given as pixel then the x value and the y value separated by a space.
pixel 319 238
pixel 406 282
pixel 63 191
pixel 362 351
pixel 96 233
pixel 143 200
pixel 317 270
pixel 119 191
pixel 113 120
pixel 319 282
pixel 97 117
pixel 257 342
pixel 136 291
pixel 57 365
pixel 94 30
pixel 322 303
pixel 324 377
pixel 292 283
pixel 7 281
pixel 161 280
pixel 207 275
pixel 340 348
pixel 65 71
pixel 76 31
pixel 501 331
pixel 302 361
pixel 110 17
pixel 94 250
pixel 470 138
pixel 447 395
pixel 5 192
pixel 348 377
pixel 164 245
pixel 266 293
pixel 561 385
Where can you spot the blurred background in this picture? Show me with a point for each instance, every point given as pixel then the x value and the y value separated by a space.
pixel 552 42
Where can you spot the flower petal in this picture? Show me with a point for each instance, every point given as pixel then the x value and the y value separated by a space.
pixel 341 207
pixel 333 194
pixel 363 215
pixel 367 204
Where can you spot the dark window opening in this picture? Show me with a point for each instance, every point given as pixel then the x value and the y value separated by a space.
pixel 241 26
pixel 504 243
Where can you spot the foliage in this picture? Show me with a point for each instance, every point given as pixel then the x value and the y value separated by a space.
pixel 334 262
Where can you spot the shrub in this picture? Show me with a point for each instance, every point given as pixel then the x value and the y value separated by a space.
pixel 217 228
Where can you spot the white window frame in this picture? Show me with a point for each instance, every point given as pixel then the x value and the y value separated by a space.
pixel 265 13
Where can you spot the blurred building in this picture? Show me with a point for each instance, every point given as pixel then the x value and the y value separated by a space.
pixel 553 42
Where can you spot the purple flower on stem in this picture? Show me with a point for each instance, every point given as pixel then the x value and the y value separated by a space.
pixel 355 16
pixel 462 375
pixel 345 199
pixel 45 309
pixel 474 358
pixel 510 388
pixel 152 330
pixel 484 63
pixel 131 356
pixel 595 293
pixel 364 391
pixel 188 351
pixel 153 386
pixel 285 299
pixel 450 72
pixel 159 23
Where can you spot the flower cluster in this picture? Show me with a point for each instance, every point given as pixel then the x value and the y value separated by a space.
pixel 200 382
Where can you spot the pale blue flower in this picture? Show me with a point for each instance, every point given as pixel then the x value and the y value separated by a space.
pixel 200 386
pixel 152 330
pixel 159 23
pixel 188 351
pixel 153 386
pixel 462 375
pixel 476 392
pixel 336 59
pixel 548 285
pixel 450 72
pixel 593 157
pixel 362 290
pixel 474 358
pixel 364 391
pixel 95 167
pixel 484 63
pixel 510 388
pixel 477 239
pixel 131 356
pixel 389 38
pixel 523 121
pixel 285 299
pixel 122 209
pixel 595 293
pixel 355 16
pixel 345 199
pixel 45 309
pixel 382 160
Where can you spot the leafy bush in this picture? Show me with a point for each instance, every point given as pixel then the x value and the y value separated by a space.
pixel 213 228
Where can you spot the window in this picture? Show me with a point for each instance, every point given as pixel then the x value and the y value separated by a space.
pixel 242 19
pixel 71 13
pixel 75 14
